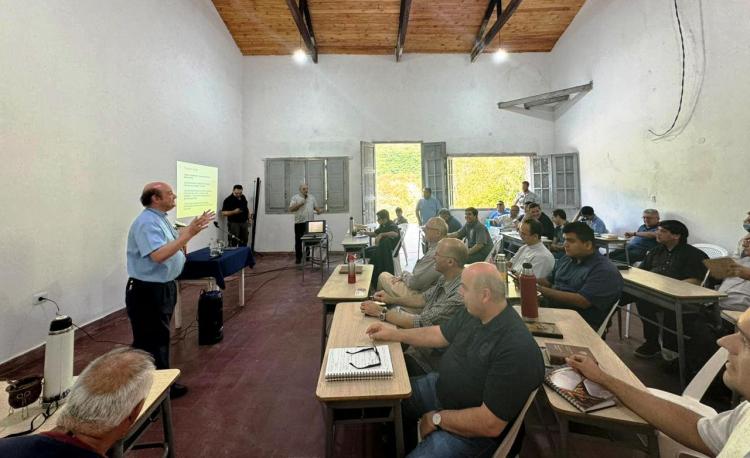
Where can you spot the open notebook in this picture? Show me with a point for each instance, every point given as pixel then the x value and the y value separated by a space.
pixel 359 363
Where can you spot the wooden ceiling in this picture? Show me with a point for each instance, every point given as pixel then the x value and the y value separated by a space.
pixel 266 27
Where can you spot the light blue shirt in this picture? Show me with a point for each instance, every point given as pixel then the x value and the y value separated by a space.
pixel 597 225
pixel 150 231
pixel 428 208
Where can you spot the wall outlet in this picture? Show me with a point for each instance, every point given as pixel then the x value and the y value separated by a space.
pixel 36 299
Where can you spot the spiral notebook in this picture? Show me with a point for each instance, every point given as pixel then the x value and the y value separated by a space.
pixel 359 363
pixel 584 394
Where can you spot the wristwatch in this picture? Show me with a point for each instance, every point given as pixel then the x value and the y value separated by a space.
pixel 436 419
pixel 383 311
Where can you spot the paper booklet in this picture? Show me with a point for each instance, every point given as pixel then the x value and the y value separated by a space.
pixel 584 394
pixel 342 361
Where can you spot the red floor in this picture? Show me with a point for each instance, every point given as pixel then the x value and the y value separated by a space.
pixel 253 394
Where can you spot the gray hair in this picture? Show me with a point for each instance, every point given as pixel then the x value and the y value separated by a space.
pixel 651 212
pixel 491 281
pixel 107 391
pixel 439 224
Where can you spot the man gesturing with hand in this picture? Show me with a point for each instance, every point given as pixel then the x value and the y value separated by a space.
pixel 155 258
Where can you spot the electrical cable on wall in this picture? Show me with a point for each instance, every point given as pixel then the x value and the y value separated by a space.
pixel 682 79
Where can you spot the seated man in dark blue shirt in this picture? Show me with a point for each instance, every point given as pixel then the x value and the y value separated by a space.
pixel 643 239
pixel 583 280
pixel 674 258
pixel 102 406
pixel 490 367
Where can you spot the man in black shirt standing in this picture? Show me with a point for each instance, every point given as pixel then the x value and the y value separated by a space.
pixel 674 258
pixel 490 367
pixel 238 216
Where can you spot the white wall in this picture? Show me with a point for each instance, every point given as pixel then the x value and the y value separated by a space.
pixel 96 99
pixel 328 108
pixel 630 49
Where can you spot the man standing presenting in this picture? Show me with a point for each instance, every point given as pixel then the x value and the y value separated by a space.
pixel 238 216
pixel 155 258
pixel 490 367
pixel 477 237
pixel 525 196
pixel 427 207
pixel 304 207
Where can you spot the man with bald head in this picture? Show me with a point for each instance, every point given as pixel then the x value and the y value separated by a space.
pixel 490 367
pixel 102 406
pixel 155 258
pixel 304 206
pixel 725 434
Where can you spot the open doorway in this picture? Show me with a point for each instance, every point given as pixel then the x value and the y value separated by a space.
pixel 398 178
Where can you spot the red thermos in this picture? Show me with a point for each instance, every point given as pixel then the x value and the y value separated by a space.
pixel 529 302
pixel 352 268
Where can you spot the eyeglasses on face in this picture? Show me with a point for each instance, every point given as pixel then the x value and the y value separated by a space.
pixel 362 350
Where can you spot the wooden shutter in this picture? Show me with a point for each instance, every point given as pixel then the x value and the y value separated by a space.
pixel 565 181
pixel 367 151
pixel 276 198
pixel 540 180
pixel 315 177
pixel 434 171
pixel 337 179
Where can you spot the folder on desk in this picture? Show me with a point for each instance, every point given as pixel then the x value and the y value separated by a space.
pixel 359 363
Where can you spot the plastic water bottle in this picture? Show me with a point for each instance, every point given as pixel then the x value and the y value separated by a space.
pixel 529 302
pixel 352 267
pixel 487 222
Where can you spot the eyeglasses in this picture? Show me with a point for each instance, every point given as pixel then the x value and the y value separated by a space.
pixel 38 420
pixel 362 350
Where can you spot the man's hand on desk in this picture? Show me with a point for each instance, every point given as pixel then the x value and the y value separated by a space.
pixel 588 367
pixel 378 331
pixel 371 308
pixel 383 297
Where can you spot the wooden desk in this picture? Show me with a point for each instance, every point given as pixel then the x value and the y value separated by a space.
pixel 348 330
pixel 338 289
pixel 577 332
pixel 357 243
pixel 732 316
pixel 158 398
pixel 669 294
pixel 605 243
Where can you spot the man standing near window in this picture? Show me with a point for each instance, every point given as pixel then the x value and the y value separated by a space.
pixel 525 196
pixel 238 216
pixel 304 206
pixel 427 207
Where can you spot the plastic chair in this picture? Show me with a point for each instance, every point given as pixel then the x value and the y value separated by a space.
pixel 713 252
pixel 404 228
pixel 691 399
pixel 605 324
pixel 394 253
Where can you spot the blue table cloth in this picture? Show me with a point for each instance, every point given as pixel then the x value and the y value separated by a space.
pixel 200 264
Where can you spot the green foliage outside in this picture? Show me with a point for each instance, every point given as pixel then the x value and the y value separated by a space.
pixel 481 181
pixel 398 181
pixel 477 181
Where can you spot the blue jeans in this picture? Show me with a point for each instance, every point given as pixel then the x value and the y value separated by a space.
pixel 439 443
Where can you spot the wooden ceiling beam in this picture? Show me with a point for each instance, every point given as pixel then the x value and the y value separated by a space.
pixel 486 19
pixel 403 22
pixel 501 21
pixel 301 16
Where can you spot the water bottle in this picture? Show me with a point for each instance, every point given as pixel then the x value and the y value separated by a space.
pixel 487 222
pixel 529 303
pixel 502 267
pixel 352 267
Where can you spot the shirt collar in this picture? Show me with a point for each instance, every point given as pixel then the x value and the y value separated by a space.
pixel 158 212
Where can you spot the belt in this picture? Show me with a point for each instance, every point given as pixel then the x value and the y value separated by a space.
pixel 135 281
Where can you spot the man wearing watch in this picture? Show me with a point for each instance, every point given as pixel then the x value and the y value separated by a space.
pixel 490 367
pixel 438 304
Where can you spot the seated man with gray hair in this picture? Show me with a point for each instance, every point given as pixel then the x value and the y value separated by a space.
pixel 101 408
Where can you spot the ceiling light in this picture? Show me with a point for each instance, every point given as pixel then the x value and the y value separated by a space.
pixel 299 56
pixel 500 55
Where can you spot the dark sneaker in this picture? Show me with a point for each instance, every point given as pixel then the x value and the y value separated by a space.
pixel 648 351
pixel 177 391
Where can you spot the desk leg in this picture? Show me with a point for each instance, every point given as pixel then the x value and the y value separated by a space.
pixel 562 422
pixel 398 424
pixel 330 436
pixel 323 335
pixel 166 418
pixel 118 450
pixel 680 343
pixel 178 309
pixel 627 255
pixel 242 287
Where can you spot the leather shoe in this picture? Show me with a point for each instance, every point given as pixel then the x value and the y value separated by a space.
pixel 177 391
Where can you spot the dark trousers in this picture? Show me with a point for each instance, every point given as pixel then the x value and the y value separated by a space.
pixel 240 231
pixel 150 307
pixel 299 231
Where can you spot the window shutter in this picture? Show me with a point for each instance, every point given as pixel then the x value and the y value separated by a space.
pixel 315 178
pixel 434 170
pixel 565 180
pixel 276 199
pixel 540 180
pixel 337 177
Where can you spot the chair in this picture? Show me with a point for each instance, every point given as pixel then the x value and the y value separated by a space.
pixel 404 229
pixel 713 252
pixel 605 324
pixel 394 253
pixel 504 448
pixel 668 448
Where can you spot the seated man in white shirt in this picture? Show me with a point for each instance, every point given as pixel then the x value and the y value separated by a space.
pixel 723 435
pixel 424 275
pixel 507 221
pixel 737 285
pixel 533 251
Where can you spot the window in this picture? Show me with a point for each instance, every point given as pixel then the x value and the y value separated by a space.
pixel 555 180
pixel 327 177
pixel 479 181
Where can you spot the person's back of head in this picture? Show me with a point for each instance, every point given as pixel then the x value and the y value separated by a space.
pixel 107 393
